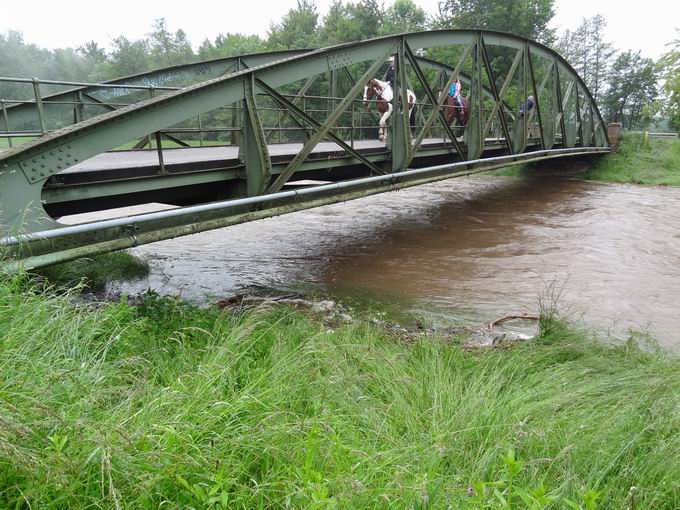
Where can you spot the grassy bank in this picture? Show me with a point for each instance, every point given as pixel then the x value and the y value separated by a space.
pixel 92 274
pixel 168 405
pixel 640 161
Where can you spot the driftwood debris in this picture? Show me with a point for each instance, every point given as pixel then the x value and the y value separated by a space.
pixel 507 318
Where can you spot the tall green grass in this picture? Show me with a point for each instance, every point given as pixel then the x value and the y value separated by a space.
pixel 94 273
pixel 640 160
pixel 166 405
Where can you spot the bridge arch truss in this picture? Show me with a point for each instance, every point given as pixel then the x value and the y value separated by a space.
pixel 499 70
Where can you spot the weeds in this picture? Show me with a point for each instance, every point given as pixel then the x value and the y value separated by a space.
pixel 94 273
pixel 640 160
pixel 170 405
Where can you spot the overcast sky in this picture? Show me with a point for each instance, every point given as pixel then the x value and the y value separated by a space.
pixel 647 26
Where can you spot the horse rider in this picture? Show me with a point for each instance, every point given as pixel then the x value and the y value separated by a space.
pixel 391 73
pixel 454 92
pixel 526 106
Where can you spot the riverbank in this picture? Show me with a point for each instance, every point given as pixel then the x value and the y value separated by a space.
pixel 117 405
pixel 640 160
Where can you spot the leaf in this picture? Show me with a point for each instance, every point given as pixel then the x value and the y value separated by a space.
pixel 183 483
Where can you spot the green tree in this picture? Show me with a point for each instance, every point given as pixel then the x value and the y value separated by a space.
pixel 669 65
pixel 632 85
pixel 528 18
pixel 129 57
pixel 298 28
pixel 338 25
pixel 403 16
pixel 166 48
pixel 588 52
pixel 228 45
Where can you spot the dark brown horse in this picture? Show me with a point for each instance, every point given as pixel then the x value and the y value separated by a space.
pixel 455 112
pixel 382 93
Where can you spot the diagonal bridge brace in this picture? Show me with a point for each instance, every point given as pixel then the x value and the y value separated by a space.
pixel 326 126
pixel 437 103
pixel 285 103
pixel 498 98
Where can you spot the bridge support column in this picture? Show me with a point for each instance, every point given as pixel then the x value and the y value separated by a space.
pixel 614 134
pixel 473 133
pixel 253 151
pixel 401 131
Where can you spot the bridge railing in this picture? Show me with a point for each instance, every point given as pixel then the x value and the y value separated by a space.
pixel 361 123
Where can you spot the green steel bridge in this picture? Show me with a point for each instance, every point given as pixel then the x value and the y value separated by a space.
pixel 242 138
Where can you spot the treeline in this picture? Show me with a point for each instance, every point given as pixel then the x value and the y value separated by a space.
pixel 623 83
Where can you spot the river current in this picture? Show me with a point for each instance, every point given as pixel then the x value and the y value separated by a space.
pixel 470 249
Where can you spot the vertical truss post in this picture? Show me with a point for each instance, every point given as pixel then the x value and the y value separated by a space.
pixel 333 86
pixel 588 126
pixel 235 113
pixel 5 118
pixel 568 115
pixel 520 139
pixel 579 130
pixel 39 104
pixel 159 148
pixel 74 98
pixel 474 135
pixel 536 92
pixel 253 151
pixel 557 98
pixel 401 137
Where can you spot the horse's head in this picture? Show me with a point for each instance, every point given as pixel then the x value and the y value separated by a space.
pixel 370 91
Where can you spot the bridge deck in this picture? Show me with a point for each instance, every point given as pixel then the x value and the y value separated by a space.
pixel 144 163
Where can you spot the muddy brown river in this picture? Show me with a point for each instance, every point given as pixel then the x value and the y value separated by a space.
pixel 470 249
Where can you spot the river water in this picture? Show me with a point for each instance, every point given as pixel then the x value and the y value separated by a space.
pixel 471 249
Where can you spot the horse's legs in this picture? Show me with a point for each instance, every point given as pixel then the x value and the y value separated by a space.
pixel 383 122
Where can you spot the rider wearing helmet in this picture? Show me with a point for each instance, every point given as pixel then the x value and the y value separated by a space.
pixel 391 73
pixel 454 92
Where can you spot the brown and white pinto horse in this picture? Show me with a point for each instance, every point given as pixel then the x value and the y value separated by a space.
pixel 382 92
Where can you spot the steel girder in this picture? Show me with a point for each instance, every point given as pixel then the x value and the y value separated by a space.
pixel 24 169
pixel 72 102
pixel 69 107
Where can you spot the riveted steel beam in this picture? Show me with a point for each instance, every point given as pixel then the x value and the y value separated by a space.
pixel 66 243
pixel 253 151
pixel 473 133
pixel 24 169
pixel 520 132
pixel 285 103
pixel 437 103
pixel 330 121
pixel 297 98
pixel 400 138
pixel 537 106
pixel 172 76
pixel 498 97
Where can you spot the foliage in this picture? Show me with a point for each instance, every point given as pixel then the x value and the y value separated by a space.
pixel 298 28
pixel 669 66
pixel 403 16
pixel 528 18
pixel 589 54
pixel 171 405
pixel 229 45
pixel 640 160
pixel 632 85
